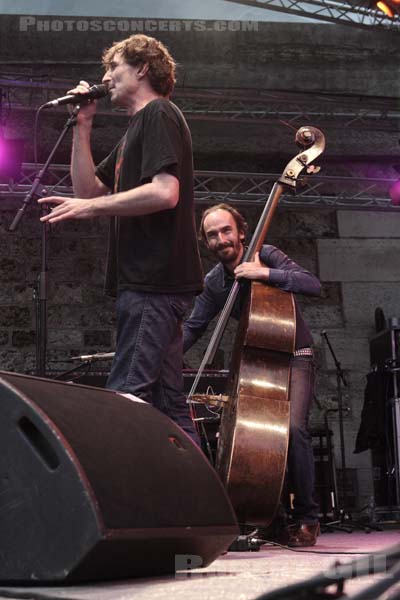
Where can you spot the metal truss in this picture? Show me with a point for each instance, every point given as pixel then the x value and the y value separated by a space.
pixel 293 108
pixel 341 12
pixel 244 189
pixel 316 192
pixel 224 105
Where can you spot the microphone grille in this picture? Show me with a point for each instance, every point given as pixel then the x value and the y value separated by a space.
pixel 99 91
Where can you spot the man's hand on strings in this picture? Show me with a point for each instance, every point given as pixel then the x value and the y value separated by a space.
pixel 67 208
pixel 252 270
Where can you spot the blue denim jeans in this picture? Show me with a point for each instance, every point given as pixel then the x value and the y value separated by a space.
pixel 301 468
pixel 148 357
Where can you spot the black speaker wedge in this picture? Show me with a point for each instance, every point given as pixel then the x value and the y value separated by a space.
pixel 98 485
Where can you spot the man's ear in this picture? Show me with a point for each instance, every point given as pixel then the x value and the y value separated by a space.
pixel 143 70
pixel 242 236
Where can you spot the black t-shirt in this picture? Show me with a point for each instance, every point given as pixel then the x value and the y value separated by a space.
pixel 156 252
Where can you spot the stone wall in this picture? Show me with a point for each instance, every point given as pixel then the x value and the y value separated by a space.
pixel 364 260
pixel 80 319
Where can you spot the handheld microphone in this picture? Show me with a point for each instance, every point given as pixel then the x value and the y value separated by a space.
pixel 94 92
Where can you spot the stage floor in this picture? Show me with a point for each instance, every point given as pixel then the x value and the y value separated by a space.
pixel 236 575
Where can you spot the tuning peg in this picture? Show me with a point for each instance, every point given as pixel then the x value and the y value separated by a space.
pixel 313 169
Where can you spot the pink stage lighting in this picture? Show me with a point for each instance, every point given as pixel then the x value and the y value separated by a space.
pixel 11 153
pixel 394 193
pixel 2 149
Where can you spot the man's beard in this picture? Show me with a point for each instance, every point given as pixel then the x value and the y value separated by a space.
pixel 227 258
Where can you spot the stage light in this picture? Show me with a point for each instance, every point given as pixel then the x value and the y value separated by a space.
pixel 394 193
pixel 388 7
pixel 11 156
pixel 385 8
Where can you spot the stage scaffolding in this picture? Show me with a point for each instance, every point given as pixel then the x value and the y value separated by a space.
pixel 244 189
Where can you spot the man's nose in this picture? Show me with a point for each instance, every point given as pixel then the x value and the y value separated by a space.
pixel 106 77
pixel 221 238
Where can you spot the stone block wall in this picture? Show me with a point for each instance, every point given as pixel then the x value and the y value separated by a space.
pixel 80 318
pixel 364 260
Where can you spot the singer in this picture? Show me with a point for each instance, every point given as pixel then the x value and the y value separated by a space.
pixel 145 185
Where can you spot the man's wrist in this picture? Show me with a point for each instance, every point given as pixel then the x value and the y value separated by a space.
pixel 83 128
pixel 265 273
pixel 276 276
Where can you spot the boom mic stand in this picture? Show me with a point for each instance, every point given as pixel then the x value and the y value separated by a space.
pixel 392 369
pixel 333 489
pixel 40 293
pixel 345 520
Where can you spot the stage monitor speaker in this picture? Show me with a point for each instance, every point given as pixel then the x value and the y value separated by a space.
pixel 97 485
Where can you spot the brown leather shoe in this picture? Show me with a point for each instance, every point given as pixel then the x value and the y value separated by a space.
pixel 303 535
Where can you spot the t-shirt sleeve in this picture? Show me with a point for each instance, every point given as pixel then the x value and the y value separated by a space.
pixel 106 169
pixel 162 146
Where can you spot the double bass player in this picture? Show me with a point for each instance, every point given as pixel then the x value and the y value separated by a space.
pixel 223 229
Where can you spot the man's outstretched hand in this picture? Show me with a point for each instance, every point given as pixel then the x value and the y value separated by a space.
pixel 67 208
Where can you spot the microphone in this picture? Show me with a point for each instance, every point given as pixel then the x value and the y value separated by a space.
pixel 98 356
pixel 94 92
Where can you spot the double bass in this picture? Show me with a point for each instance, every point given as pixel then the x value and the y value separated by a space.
pixel 254 430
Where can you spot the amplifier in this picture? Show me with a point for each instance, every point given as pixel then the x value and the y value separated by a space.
pixel 385 358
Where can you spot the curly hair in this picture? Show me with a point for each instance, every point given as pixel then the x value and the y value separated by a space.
pixel 239 219
pixel 141 49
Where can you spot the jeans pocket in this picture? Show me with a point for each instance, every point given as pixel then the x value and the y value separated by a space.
pixel 179 304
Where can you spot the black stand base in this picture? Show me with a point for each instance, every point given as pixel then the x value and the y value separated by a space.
pixel 347 524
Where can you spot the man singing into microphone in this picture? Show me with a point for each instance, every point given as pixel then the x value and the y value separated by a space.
pixel 146 186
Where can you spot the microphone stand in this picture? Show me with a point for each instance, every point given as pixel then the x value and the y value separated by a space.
pixel 345 521
pixel 40 291
pixel 333 488
pixel 340 379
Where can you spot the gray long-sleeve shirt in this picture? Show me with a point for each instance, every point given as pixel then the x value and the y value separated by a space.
pixel 284 273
